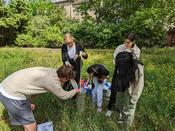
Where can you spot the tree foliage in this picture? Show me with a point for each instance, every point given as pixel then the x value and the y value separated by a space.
pixel 14 19
pixel 149 19
pixel 31 23
pixel 41 23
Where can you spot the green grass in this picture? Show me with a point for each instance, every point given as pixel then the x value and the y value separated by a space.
pixel 155 110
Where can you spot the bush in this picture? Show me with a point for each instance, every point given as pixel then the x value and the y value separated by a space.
pixel 148 26
pixel 93 35
pixel 40 34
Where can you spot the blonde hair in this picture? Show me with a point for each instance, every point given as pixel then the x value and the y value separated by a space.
pixel 68 35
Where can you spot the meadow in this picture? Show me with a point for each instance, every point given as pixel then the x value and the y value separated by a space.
pixel 155 110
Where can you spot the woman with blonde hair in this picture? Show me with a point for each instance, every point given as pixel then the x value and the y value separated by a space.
pixel 72 54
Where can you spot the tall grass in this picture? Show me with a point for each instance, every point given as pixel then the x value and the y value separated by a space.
pixel 155 110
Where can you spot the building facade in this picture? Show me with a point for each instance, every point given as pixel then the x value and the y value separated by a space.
pixel 70 8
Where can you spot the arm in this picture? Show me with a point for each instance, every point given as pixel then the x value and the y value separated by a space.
pixel 115 54
pixel 59 92
pixel 138 86
pixel 89 77
pixel 64 53
pixel 90 73
pixel 117 50
pixel 137 52
pixel 63 94
pixel 83 54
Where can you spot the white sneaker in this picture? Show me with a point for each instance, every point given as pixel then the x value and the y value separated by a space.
pixel 108 113
pixel 99 109
pixel 120 119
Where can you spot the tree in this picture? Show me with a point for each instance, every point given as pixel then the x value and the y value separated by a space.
pixel 148 19
pixel 40 33
pixel 14 19
pixel 112 10
pixel 44 27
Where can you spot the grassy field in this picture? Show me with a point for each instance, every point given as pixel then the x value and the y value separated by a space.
pixel 155 110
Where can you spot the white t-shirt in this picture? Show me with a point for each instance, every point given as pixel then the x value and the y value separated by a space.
pixel 71 51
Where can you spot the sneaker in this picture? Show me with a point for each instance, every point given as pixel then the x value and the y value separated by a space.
pixel 99 109
pixel 108 113
pixel 120 121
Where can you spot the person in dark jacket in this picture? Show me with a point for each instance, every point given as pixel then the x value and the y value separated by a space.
pixel 72 54
pixel 127 82
pixel 98 74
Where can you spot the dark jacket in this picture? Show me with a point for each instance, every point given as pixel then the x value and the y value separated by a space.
pixel 124 74
pixel 77 64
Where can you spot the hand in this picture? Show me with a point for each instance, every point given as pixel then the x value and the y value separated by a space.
pixel 87 82
pixel 33 106
pixel 82 53
pixel 67 63
pixel 77 90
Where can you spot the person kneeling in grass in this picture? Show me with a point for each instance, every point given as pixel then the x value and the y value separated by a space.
pixel 98 73
pixel 29 82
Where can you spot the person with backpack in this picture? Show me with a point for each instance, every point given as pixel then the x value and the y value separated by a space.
pixel 127 82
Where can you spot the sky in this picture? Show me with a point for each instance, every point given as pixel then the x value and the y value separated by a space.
pixel 7 1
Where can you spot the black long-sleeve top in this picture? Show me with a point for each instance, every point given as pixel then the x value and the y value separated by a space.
pixel 77 64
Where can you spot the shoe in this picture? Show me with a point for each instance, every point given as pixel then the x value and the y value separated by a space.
pixel 120 121
pixel 99 109
pixel 108 113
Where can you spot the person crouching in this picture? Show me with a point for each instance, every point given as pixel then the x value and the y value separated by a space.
pixel 98 74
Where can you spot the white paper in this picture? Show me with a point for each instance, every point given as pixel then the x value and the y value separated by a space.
pixel 47 126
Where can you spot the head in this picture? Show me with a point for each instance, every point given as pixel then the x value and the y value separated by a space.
pixel 69 39
pixel 97 71
pixel 130 40
pixel 65 73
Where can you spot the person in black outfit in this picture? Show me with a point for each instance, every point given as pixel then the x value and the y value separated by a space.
pixel 127 86
pixel 72 53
